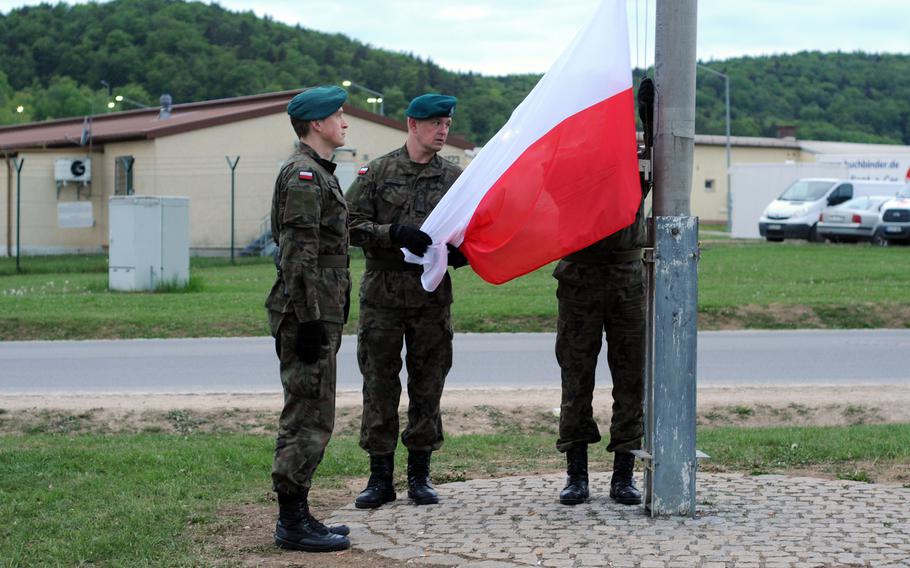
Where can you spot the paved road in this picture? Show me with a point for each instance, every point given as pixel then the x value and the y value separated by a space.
pixel 481 360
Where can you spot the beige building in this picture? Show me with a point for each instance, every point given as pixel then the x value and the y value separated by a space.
pixel 185 154
pixel 147 152
pixel 709 173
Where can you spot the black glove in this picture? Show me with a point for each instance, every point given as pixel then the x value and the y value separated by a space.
pixel 311 337
pixel 456 258
pixel 410 238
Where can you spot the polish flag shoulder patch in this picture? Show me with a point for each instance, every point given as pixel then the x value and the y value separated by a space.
pixel 363 170
pixel 305 175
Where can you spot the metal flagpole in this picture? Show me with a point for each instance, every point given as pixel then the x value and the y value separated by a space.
pixel 670 407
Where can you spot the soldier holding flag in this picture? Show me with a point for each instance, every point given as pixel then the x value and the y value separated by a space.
pixel 389 200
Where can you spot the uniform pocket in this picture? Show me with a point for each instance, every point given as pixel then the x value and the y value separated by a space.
pixel 298 378
pixel 301 207
pixel 394 193
pixel 333 289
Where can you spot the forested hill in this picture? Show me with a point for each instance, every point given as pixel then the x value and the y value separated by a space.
pixel 855 97
pixel 53 59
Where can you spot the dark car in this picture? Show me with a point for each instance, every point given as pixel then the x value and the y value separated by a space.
pixel 895 225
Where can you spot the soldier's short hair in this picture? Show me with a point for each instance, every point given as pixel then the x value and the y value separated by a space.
pixel 301 127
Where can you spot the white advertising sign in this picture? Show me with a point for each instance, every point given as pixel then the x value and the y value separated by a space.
pixel 883 167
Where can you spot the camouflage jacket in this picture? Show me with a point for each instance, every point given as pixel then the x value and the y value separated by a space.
pixel 310 226
pixel 590 266
pixel 393 189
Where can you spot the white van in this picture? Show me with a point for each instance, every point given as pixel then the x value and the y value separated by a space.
pixel 794 214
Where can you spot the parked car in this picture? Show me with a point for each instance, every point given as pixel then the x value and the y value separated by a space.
pixel 852 221
pixel 794 215
pixel 895 225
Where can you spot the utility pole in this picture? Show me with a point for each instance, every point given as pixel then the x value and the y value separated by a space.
pixel 669 449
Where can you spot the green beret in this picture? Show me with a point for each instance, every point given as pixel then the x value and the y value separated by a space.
pixel 431 105
pixel 317 103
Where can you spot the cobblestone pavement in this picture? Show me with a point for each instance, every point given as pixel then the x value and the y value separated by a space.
pixel 767 521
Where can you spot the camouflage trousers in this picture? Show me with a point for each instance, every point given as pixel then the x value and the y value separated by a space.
pixel 616 307
pixel 427 333
pixel 308 415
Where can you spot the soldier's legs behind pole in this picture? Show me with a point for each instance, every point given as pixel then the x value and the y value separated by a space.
pixel 304 429
pixel 379 340
pixel 428 336
pixel 578 343
pixel 625 330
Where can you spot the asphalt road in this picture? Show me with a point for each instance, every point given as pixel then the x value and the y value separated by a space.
pixel 747 358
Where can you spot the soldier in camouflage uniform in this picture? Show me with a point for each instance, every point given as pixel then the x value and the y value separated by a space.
pixel 390 198
pixel 307 309
pixel 602 290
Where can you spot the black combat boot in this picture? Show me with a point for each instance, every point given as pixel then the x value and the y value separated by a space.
pixel 298 530
pixel 622 490
pixel 380 488
pixel 419 488
pixel 576 489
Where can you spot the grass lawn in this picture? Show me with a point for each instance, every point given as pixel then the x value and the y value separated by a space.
pixel 741 285
pixel 114 499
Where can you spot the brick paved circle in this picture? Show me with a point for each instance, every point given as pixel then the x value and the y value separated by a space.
pixel 742 521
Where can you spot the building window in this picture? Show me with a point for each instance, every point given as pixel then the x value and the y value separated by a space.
pixel 709 186
pixel 123 175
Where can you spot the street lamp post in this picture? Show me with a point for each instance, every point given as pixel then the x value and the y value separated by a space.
pixel 110 103
pixel 121 98
pixel 727 103
pixel 372 100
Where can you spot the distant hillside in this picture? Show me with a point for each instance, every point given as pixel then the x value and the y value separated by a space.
pixel 53 60
pixel 854 97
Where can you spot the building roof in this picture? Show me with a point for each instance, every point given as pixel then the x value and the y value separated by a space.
pixel 825 147
pixel 144 124
pixel 747 141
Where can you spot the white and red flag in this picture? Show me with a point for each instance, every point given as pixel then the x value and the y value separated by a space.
pixel 559 176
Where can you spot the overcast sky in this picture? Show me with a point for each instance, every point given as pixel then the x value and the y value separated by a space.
pixel 519 36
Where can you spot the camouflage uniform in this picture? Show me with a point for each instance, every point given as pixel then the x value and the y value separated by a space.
pixel 310 225
pixel 395 307
pixel 602 290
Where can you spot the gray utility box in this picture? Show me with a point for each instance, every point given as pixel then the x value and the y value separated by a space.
pixel 149 242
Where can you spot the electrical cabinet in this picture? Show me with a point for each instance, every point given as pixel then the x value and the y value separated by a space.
pixel 149 242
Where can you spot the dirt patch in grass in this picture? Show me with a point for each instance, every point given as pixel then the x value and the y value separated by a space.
pixel 242 536
pixel 790 316
pixel 511 411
